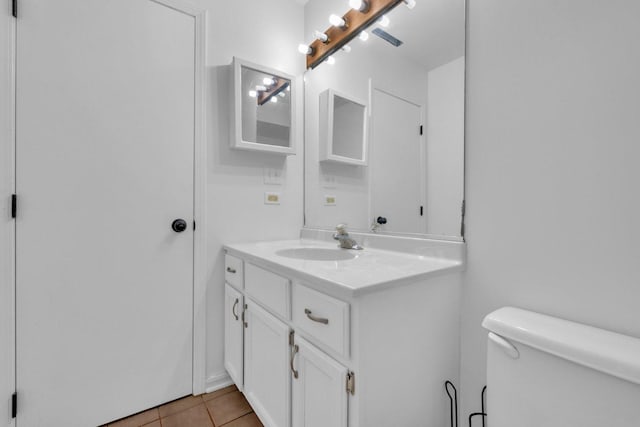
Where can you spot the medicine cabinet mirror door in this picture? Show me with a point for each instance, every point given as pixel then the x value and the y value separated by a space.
pixel 263 108
pixel 409 78
pixel 343 128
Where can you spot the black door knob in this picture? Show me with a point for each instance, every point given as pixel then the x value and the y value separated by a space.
pixel 179 225
pixel 381 220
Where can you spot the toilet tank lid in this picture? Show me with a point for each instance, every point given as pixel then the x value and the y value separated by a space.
pixel 609 352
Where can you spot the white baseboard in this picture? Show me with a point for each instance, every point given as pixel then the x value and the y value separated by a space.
pixel 217 381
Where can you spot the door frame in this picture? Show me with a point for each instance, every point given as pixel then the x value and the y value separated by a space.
pixel 7 180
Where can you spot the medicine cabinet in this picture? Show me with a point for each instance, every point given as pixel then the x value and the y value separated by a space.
pixel 343 128
pixel 263 108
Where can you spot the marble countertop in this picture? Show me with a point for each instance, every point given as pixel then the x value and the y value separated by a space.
pixel 371 269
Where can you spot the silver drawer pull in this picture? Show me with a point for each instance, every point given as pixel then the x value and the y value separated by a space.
pixel 233 310
pixel 315 318
pixel 294 351
pixel 231 270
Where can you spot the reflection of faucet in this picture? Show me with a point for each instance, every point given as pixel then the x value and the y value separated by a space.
pixel 342 236
pixel 378 223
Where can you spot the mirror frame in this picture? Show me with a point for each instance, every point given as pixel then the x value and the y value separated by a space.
pixel 236 141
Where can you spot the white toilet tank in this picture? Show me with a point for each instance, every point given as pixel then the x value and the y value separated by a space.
pixel 548 372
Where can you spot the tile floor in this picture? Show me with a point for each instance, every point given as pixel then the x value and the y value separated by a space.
pixel 226 407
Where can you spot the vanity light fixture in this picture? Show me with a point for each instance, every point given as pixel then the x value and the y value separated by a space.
pixel 337 21
pixel 304 49
pixel 319 35
pixel 331 60
pixel 346 48
pixel 359 5
pixel 276 87
pixel 364 36
pixel 346 28
pixel 410 3
pixel 384 21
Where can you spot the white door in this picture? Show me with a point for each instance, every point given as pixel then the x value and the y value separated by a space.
pixel 234 334
pixel 396 163
pixel 105 152
pixel 266 366
pixel 319 393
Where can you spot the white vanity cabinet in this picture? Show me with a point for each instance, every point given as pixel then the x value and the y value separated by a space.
pixel 233 334
pixel 318 353
pixel 266 366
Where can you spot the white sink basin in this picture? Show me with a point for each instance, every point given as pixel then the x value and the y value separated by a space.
pixel 317 254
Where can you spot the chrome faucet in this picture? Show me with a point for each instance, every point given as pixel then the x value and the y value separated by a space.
pixel 345 242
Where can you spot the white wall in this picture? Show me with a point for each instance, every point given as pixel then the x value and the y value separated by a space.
pixel 6 223
pixel 552 178
pixel 264 32
pixel 445 148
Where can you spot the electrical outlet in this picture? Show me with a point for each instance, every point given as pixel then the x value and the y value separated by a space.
pixel 271 198
pixel 329 200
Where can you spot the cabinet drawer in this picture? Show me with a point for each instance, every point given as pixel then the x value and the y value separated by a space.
pixel 323 317
pixel 233 271
pixel 268 289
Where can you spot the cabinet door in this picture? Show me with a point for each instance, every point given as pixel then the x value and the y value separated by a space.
pixel 233 335
pixel 319 393
pixel 266 366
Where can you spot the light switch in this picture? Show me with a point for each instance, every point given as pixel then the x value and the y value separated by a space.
pixel 329 200
pixel 273 176
pixel 271 198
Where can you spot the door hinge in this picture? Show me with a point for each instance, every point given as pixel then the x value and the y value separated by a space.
pixel 351 383
pixel 421 210
pixel 194 225
pixel 421 129
pixel 14 205
pixel 14 8
pixel 14 405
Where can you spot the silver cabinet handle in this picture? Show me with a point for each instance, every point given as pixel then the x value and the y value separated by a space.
pixel 293 356
pixel 231 270
pixel 233 310
pixel 244 310
pixel 310 315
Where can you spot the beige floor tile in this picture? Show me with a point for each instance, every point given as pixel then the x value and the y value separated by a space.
pixel 179 405
pixel 218 393
pixel 138 419
pixel 196 416
pixel 228 407
pixel 250 420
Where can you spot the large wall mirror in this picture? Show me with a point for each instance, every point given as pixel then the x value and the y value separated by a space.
pixel 412 169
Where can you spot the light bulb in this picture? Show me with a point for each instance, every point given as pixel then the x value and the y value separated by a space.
pixel 331 60
pixel 361 5
pixel 304 49
pixel 321 36
pixel 346 48
pixel 410 3
pixel 268 81
pixel 253 93
pixel 260 88
pixel 337 21
pixel 274 99
pixel 384 21
pixel 364 36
